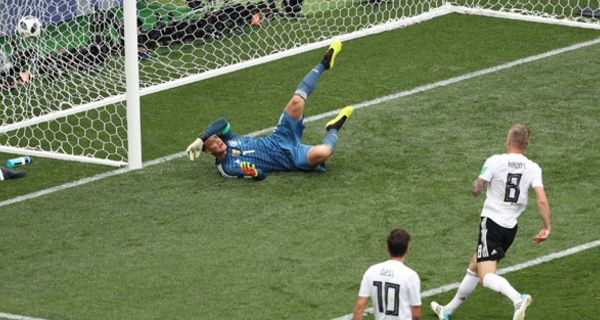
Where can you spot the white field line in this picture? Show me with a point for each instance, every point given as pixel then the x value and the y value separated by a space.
pixel 516 267
pixel 317 117
pixel 16 317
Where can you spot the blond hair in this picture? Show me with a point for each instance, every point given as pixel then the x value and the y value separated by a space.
pixel 519 136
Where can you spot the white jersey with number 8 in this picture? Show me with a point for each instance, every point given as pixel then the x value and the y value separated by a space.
pixel 509 178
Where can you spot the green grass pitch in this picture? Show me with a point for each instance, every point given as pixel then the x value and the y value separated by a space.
pixel 177 241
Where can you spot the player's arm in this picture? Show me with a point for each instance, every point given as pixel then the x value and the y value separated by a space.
pixel 249 170
pixel 220 127
pixel 544 209
pixel 359 308
pixel 415 312
pixel 243 170
pixel 478 186
pixel 485 176
pixel 414 296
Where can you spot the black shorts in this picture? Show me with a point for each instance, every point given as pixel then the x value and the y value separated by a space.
pixel 494 240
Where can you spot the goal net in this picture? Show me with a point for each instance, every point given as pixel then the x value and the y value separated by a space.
pixel 63 68
pixel 61 71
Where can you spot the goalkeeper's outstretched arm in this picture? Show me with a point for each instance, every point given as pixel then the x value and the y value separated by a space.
pixel 219 127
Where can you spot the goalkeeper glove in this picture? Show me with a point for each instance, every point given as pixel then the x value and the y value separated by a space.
pixel 249 169
pixel 194 150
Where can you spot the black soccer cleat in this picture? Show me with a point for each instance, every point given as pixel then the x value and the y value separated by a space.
pixel 340 119
pixel 11 174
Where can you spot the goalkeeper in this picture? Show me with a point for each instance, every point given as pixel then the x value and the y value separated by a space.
pixel 248 157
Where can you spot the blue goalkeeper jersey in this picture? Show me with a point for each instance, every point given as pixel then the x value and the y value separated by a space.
pixel 280 151
pixel 265 153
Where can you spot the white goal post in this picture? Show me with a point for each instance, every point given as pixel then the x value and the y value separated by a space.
pixel 72 71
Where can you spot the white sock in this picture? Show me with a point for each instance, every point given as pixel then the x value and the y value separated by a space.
pixel 500 284
pixel 467 285
pixel 1 175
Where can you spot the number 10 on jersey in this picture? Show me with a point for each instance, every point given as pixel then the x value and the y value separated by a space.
pixel 390 293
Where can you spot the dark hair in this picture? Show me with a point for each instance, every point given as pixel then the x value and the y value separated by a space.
pixel 397 242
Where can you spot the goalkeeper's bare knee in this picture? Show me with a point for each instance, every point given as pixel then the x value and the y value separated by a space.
pixel 295 107
pixel 319 154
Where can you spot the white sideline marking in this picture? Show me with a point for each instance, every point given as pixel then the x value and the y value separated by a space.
pixel 316 117
pixel 516 267
pixel 16 317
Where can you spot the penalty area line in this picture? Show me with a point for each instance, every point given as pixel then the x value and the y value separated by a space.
pixel 360 105
pixel 516 267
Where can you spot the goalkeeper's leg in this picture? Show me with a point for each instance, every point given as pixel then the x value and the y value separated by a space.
pixel 295 107
pixel 319 153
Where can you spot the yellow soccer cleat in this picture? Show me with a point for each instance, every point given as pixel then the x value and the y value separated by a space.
pixel 334 49
pixel 340 119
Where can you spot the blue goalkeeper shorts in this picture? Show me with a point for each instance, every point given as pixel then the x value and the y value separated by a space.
pixel 288 134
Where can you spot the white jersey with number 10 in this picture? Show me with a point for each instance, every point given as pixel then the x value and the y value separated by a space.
pixel 393 288
pixel 509 178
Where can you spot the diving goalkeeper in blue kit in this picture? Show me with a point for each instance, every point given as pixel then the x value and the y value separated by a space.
pixel 248 157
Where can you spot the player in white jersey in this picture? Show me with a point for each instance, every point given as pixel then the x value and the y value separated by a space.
pixel 394 288
pixel 508 178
